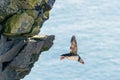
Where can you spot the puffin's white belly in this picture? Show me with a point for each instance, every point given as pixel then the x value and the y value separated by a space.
pixel 73 58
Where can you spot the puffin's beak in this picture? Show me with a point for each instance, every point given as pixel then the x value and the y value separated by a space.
pixel 82 62
pixel 62 57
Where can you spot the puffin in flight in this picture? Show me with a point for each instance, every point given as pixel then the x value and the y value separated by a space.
pixel 72 55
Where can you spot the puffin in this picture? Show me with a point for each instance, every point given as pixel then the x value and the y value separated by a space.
pixel 72 55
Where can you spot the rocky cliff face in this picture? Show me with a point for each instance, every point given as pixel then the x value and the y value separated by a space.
pixel 20 46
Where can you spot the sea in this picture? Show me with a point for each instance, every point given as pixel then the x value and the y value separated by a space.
pixel 96 25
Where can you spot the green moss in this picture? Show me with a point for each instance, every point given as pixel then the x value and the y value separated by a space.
pixel 44 49
pixel 24 4
pixel 8 25
pixel 33 3
pixel 33 32
pixel 36 27
pixel 32 13
pixel 39 21
pixel 13 5
pixel 46 1
pixel 12 23
pixel 27 22
pixel 18 24
pixel 21 73
pixel 46 15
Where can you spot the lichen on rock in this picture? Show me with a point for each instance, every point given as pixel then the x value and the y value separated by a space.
pixel 20 23
pixel 19 14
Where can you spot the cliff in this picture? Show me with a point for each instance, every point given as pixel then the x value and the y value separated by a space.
pixel 20 45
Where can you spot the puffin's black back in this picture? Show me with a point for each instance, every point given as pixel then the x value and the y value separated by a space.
pixel 68 54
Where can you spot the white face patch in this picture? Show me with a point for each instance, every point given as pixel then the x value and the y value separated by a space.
pixel 73 58
pixel 81 60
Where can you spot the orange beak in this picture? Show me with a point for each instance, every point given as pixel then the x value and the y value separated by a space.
pixel 82 62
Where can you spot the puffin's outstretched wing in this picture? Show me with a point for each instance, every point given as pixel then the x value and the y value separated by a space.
pixel 73 47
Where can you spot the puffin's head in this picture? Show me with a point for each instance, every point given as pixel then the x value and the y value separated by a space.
pixel 81 61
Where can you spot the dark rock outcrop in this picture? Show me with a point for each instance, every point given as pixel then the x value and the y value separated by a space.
pixel 20 45
pixel 19 56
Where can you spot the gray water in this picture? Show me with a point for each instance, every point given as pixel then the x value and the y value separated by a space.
pixel 96 25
